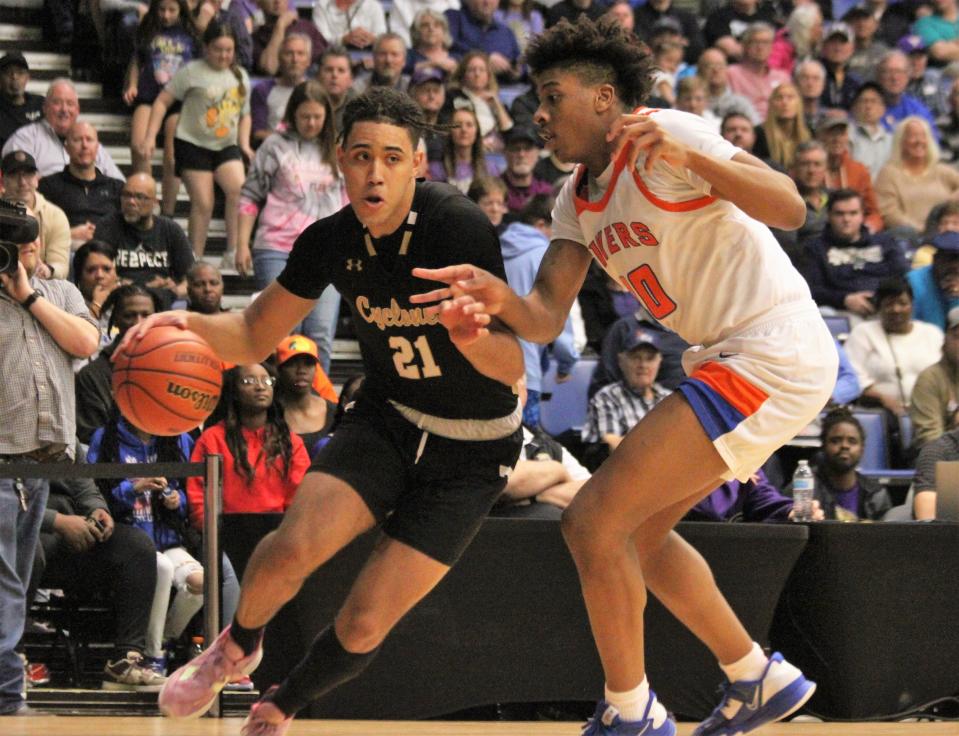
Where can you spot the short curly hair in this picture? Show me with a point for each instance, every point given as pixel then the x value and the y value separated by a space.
pixel 839 415
pixel 597 52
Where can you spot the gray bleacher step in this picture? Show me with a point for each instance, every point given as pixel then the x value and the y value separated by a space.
pixel 53 61
pixel 108 122
pixel 18 32
pixel 28 45
pixel 217 227
pixel 122 158
pixel 85 90
pixel 31 4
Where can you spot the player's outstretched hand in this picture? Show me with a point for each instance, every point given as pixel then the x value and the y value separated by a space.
pixel 465 319
pixel 463 280
pixel 136 333
pixel 644 133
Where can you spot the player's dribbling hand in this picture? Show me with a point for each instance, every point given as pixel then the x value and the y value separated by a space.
pixel 175 318
pixel 465 319
pixel 647 136
pixel 484 287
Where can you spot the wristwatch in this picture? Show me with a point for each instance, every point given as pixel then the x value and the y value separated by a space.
pixel 28 302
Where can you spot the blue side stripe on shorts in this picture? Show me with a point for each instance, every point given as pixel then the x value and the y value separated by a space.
pixel 715 413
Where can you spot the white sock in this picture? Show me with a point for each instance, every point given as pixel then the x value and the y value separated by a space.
pixel 632 704
pixel 750 667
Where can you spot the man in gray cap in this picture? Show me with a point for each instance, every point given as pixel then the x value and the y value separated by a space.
pixel 843 171
pixel 17 106
pixel 837 47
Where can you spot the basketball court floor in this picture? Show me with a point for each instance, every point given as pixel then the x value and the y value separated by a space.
pixel 156 726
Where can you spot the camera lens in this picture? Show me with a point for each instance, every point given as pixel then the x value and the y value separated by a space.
pixel 8 257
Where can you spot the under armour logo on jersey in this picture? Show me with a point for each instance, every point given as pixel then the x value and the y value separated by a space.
pixel 354 264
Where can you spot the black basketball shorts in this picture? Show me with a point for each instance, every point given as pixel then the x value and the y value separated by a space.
pixel 427 491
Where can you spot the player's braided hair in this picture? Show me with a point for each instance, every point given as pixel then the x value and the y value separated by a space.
pixel 598 52
pixel 113 304
pixel 387 105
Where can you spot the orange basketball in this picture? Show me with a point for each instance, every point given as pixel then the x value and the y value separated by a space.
pixel 169 383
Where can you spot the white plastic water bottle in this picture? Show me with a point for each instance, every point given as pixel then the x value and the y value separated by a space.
pixel 804 488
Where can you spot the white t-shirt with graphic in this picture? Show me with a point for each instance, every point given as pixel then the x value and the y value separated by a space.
pixel 212 104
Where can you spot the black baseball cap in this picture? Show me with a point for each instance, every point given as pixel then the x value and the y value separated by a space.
pixel 14 58
pixel 520 133
pixel 17 161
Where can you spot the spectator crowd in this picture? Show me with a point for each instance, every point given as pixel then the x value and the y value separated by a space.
pixel 858 103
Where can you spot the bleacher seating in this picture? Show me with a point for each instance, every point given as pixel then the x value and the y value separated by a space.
pixel 563 405
pixel 905 430
pixel 838 325
pixel 877 452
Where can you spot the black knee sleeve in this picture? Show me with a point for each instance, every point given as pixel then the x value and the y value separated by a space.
pixel 327 666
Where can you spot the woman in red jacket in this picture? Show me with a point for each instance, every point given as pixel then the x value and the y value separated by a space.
pixel 263 461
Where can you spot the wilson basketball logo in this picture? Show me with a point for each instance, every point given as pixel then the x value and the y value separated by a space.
pixel 201 400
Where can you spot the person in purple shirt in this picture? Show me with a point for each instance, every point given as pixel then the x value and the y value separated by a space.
pixel 843 492
pixel 756 500
pixel 474 27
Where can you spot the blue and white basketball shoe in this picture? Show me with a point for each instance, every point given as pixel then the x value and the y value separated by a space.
pixel 749 704
pixel 606 722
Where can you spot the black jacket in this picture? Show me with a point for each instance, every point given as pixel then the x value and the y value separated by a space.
pixel 83 201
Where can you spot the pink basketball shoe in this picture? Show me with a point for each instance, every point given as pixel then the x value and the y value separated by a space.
pixel 190 691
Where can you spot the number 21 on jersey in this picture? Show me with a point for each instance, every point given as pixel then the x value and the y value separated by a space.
pixel 414 360
pixel 645 285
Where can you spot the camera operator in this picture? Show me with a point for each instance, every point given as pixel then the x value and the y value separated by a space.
pixel 44 324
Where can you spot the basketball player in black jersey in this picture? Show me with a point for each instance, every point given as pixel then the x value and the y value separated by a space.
pixel 431 436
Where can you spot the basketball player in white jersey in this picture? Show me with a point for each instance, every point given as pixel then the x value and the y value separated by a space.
pixel 679 216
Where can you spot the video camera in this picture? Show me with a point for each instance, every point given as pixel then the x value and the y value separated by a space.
pixel 16 228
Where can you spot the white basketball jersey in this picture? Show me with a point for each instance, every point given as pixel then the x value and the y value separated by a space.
pixel 699 264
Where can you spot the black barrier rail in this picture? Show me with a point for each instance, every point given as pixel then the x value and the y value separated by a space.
pixel 57 470
pixel 212 472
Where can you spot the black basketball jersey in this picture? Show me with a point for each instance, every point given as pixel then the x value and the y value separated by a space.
pixel 408 356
